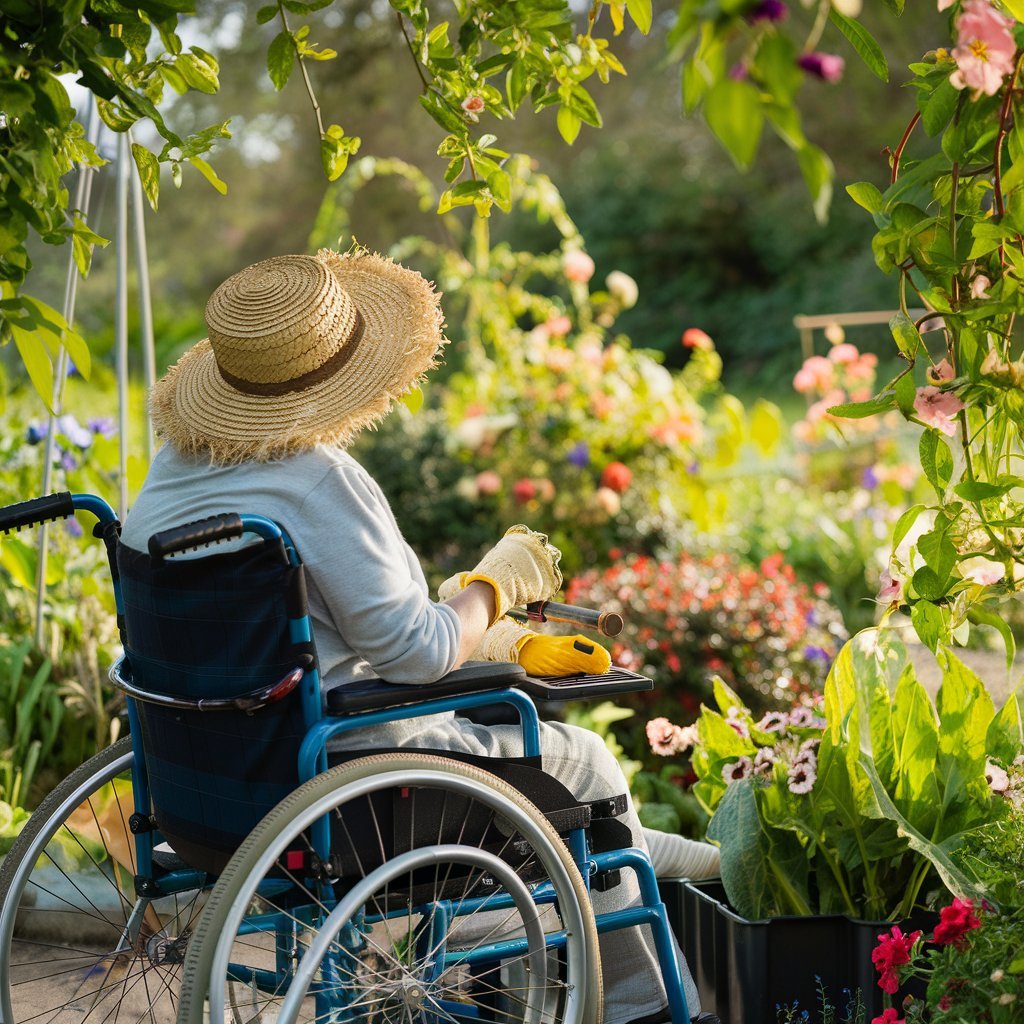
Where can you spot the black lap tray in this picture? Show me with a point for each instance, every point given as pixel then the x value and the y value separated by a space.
pixel 473 677
pixel 582 686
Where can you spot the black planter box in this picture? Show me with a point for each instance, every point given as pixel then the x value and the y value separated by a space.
pixel 744 969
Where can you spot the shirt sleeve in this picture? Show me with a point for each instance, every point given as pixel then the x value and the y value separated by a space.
pixel 363 568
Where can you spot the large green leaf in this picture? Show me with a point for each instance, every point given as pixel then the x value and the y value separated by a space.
pixel 916 738
pixel 736 827
pixel 1005 739
pixel 936 460
pixel 733 111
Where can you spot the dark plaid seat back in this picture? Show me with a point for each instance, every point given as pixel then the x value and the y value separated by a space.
pixel 215 627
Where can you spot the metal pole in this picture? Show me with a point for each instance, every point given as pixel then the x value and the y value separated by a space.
pixel 83 193
pixel 145 301
pixel 121 317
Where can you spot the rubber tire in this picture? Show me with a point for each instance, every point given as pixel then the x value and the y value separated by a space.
pixel 229 888
pixel 99 768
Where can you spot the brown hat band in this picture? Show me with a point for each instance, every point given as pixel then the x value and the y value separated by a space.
pixel 306 380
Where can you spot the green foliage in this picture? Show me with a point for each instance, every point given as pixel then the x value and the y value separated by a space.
pixel 854 812
pixel 949 225
pixel 107 46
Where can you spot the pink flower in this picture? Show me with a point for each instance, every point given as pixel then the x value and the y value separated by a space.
pixel 941 371
pixel 937 408
pixel 890 1016
pixel 982 571
pixel 694 337
pixel 737 770
pixel 826 66
pixel 578 266
pixel 822 371
pixel 892 952
pixel 804 381
pixel 802 776
pixel 844 353
pixel 559 359
pixel 955 921
pixel 607 500
pixel 980 286
pixel 890 589
pixel 473 104
pixel 488 482
pixel 524 490
pixel 667 739
pixel 984 50
pixel 558 326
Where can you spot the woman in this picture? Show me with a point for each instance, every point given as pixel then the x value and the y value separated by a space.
pixel 303 353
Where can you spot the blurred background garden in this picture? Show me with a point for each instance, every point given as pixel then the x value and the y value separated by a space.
pixel 625 372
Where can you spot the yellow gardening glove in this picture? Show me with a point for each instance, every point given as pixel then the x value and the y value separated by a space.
pixel 540 654
pixel 521 567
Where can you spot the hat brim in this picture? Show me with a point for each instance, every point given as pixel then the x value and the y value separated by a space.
pixel 195 409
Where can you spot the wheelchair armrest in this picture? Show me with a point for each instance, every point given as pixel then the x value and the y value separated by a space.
pixel 374 694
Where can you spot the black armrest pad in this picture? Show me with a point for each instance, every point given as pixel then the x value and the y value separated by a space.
pixel 472 677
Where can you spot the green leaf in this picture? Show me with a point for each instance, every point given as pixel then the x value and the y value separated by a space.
pixel 413 399
pixel 736 826
pixel 1016 8
pixel 640 12
pixel 568 124
pixel 197 73
pixel 936 460
pixel 149 173
pixel 584 107
pixel 906 335
pixel 818 172
pixel 979 490
pixel 1005 738
pixel 904 523
pixel 863 42
pixel 863 193
pixel 938 110
pixel 733 112
pixel 265 14
pixel 928 623
pixel 280 59
pixel 905 394
pixel 859 410
pixel 442 114
pixel 36 357
pixel 927 584
pixel 209 174
pixel 980 614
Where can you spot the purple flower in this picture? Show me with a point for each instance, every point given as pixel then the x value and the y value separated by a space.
pixel 74 431
pixel 869 478
pixel 812 652
pixel 693 468
pixel 73 528
pixel 767 10
pixel 739 72
pixel 37 432
pixel 580 455
pixel 826 66
pixel 67 461
pixel 103 425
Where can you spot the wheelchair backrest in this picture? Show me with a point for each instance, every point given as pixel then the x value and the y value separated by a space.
pixel 209 629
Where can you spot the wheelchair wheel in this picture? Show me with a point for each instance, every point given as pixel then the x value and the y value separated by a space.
pixel 413 920
pixel 75 943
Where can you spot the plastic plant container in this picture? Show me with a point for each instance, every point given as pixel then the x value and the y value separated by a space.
pixel 744 969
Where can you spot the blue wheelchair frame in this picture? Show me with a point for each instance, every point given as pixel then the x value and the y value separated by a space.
pixel 313 760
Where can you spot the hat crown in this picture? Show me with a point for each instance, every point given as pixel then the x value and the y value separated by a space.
pixel 280 320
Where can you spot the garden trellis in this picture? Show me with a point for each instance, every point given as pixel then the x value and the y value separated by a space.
pixel 126 183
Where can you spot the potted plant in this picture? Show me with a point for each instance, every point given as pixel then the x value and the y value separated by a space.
pixel 835 821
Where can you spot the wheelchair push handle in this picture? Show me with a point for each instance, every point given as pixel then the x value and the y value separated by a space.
pixel 226 526
pixel 37 510
pixel 606 623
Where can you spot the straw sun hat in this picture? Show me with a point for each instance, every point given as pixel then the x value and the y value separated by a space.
pixel 302 350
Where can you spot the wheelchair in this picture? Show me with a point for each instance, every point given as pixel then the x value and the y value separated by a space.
pixel 222 863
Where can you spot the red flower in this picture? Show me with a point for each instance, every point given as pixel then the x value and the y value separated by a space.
pixel 889 1016
pixel 892 952
pixel 617 476
pixel 955 921
pixel 694 337
pixel 524 490
pixel 945 1003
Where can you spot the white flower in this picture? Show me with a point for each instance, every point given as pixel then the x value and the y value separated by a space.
pixel 802 777
pixel 834 334
pixel 997 975
pixel 622 287
pixel 982 571
pixel 734 719
pixel 764 761
pixel 774 721
pixel 851 8
pixel 997 779
pixel 801 718
pixel 1006 998
pixel 736 770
